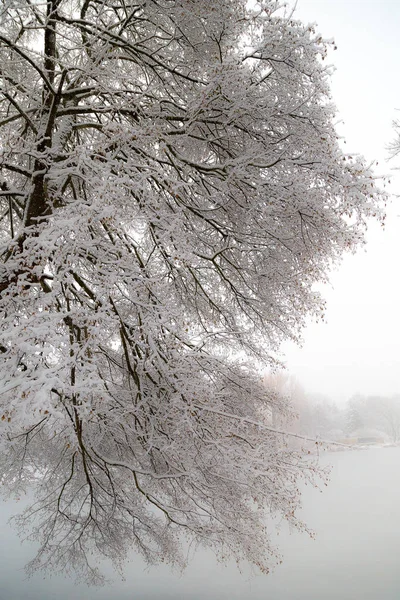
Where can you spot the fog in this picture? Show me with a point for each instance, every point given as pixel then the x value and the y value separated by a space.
pixel 354 555
pixel 355 349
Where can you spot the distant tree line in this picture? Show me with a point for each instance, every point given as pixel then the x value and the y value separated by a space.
pixel 379 413
pixel 317 416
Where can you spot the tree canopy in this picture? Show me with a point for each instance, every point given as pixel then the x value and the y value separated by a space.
pixel 171 188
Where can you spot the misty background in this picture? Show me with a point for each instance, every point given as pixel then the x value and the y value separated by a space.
pixel 356 349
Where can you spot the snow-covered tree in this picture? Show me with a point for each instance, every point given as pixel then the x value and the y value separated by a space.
pixel 356 414
pixel 373 414
pixel 171 188
pixel 387 414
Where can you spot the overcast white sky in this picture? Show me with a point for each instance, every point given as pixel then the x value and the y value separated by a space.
pixel 357 350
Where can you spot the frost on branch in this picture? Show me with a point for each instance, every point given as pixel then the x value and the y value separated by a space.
pixel 171 187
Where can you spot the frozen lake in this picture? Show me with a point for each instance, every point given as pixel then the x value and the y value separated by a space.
pixel 354 557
